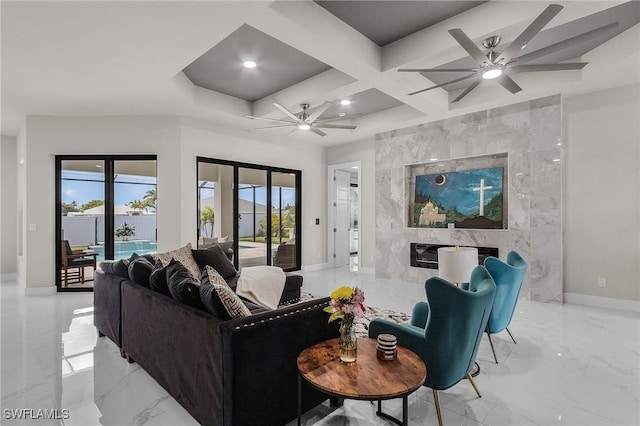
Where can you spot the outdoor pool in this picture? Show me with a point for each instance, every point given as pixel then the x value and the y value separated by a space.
pixel 124 249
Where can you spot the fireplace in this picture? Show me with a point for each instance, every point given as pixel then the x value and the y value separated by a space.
pixel 424 255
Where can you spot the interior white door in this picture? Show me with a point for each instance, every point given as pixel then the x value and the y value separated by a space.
pixel 342 203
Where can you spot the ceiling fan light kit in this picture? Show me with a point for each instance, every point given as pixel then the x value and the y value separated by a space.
pixel 492 72
pixel 306 121
pixel 498 65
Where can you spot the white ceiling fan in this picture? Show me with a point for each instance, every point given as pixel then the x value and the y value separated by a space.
pixel 500 65
pixel 304 120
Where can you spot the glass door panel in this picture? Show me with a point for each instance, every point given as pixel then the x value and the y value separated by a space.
pixel 215 206
pixel 134 207
pixel 82 189
pixel 253 221
pixel 283 220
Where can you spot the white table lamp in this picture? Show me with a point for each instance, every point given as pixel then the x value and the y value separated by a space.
pixel 456 263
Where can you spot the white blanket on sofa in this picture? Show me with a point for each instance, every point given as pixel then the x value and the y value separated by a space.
pixel 262 285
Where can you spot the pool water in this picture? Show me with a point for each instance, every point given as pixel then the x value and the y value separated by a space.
pixel 124 249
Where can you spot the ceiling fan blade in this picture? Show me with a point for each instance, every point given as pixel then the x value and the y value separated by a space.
pixel 566 43
pixel 318 112
pixel 317 131
pixel 287 112
pixel 534 28
pixel 269 119
pixel 466 91
pixel 506 82
pixel 468 45
pixel 436 70
pixel 444 84
pixel 549 67
pixel 282 126
pixel 334 126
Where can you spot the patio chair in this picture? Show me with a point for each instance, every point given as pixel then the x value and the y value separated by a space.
pixel 74 262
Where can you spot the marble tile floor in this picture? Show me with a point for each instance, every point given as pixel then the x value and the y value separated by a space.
pixel 573 365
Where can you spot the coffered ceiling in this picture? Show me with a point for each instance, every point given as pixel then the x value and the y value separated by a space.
pixel 186 58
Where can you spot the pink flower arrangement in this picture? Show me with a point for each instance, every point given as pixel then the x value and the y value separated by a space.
pixel 347 304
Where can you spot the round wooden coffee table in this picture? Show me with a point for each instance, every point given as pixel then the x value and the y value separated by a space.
pixel 368 378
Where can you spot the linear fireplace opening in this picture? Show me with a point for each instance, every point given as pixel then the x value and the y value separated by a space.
pixel 425 255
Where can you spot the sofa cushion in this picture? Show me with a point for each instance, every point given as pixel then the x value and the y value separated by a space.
pixel 119 267
pixel 215 257
pixel 139 271
pixel 182 255
pixel 183 286
pixel 218 298
pixel 158 279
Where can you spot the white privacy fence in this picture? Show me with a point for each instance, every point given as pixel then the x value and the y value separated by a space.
pixel 89 230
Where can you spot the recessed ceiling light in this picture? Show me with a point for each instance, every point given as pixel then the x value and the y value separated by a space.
pixel 98 166
pixel 304 126
pixel 354 167
pixel 249 64
pixel 555 160
pixel 345 102
pixel 342 114
pixel 434 158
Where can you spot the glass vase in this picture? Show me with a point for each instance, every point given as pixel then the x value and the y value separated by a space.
pixel 348 342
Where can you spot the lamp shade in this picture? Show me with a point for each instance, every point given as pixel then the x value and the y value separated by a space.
pixel 456 263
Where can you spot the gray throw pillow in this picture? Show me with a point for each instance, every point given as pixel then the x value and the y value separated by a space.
pixel 217 259
pixel 183 286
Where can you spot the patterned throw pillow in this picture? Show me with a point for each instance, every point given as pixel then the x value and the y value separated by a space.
pixel 182 255
pixel 219 298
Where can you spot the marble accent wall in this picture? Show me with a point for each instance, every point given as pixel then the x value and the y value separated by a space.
pixel 531 133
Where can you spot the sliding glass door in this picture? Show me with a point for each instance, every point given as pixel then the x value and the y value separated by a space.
pixel 105 209
pixel 251 209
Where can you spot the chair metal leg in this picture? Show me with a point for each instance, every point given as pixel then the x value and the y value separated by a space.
pixel 511 335
pixel 492 348
pixel 436 399
pixel 473 383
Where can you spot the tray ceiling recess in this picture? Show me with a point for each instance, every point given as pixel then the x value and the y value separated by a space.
pixel 276 65
pixel 499 63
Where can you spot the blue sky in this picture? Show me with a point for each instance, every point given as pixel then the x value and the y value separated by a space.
pixel 92 188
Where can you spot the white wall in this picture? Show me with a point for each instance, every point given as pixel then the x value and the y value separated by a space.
pixel 207 140
pixel 8 202
pixel 47 136
pixel 363 151
pixel 602 182
pixel 176 143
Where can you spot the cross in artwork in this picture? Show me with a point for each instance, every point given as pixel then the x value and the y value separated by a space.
pixel 482 188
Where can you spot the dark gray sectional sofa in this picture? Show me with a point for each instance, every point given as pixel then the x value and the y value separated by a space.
pixel 223 372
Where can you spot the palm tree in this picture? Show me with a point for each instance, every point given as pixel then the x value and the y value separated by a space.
pixel 207 216
pixel 150 198
pixel 138 205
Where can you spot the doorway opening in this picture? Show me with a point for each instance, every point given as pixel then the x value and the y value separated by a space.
pixel 344 215
pixel 105 209
pixel 251 211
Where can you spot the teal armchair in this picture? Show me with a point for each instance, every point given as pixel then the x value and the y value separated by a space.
pixel 508 277
pixel 446 330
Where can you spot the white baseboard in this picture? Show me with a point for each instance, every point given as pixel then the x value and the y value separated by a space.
pixel 367 271
pixel 317 267
pixel 602 302
pixel 40 291
pixel 9 277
